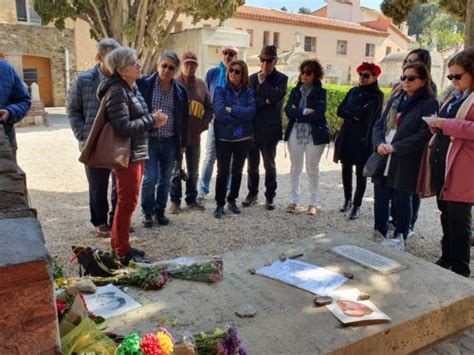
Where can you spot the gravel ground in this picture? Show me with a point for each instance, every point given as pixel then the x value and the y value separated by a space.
pixel 58 189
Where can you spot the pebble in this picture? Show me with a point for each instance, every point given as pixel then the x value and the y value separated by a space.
pixel 246 311
pixel 363 296
pixel 252 271
pixel 349 275
pixel 283 257
pixel 320 301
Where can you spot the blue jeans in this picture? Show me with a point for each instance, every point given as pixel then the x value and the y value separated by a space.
pixel 156 178
pixel 209 160
pixel 192 167
pixel 403 205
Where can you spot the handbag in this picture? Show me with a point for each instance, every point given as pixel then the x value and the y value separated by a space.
pixel 375 165
pixel 104 148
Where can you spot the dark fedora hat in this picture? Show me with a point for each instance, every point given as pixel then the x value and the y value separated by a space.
pixel 269 52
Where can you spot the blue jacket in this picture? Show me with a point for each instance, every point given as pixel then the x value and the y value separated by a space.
pixel 317 101
pixel 82 103
pixel 238 123
pixel 181 107
pixel 14 98
pixel 211 80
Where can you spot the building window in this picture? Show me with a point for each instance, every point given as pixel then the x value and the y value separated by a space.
pixel 178 26
pixel 342 47
pixel 30 76
pixel 310 44
pixel 250 32
pixel 25 12
pixel 370 50
pixel 388 50
pixel 266 38
pixel 276 39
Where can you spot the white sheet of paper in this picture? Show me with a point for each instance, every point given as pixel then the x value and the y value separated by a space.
pixel 306 276
pixel 429 119
pixel 367 311
pixel 109 301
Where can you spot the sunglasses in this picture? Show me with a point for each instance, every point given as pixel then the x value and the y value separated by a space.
pixel 165 66
pixel 307 72
pixel 235 71
pixel 409 77
pixel 411 61
pixel 365 75
pixel 455 76
pixel 268 61
pixel 228 53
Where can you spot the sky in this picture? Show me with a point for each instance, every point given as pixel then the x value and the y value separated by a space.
pixel 294 5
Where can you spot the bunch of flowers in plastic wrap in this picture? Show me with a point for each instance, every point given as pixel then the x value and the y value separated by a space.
pixel 220 342
pixel 150 344
pixel 87 338
pixel 147 278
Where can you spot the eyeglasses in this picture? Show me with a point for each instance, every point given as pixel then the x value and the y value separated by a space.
pixel 235 71
pixel 455 76
pixel 170 67
pixel 264 60
pixel 365 75
pixel 409 77
pixel 228 53
pixel 307 72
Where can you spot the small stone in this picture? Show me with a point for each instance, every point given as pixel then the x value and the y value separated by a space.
pixel 245 311
pixel 252 271
pixel 282 257
pixel 320 301
pixel 349 275
pixel 364 296
pixel 268 262
pixel 296 256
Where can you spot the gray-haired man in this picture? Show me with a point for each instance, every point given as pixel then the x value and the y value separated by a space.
pixel 82 106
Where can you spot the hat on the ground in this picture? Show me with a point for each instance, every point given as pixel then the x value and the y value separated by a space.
pixel 372 67
pixel 189 57
pixel 230 48
pixel 269 52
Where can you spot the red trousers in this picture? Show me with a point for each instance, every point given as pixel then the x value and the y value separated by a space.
pixel 128 183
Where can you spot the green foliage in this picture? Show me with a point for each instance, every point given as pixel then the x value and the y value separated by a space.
pixel 433 26
pixel 304 10
pixel 335 95
pixel 284 9
pixel 398 10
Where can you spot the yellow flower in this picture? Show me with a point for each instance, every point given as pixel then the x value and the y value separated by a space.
pixel 165 342
pixel 59 281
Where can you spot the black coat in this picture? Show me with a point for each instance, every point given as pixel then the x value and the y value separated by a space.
pixel 269 97
pixel 409 141
pixel 127 112
pixel 317 119
pixel 359 110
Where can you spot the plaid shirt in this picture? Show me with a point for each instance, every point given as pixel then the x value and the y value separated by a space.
pixel 164 101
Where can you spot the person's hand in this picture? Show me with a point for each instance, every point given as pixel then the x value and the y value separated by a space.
pixel 160 118
pixel 438 123
pixel 4 115
pixel 228 109
pixel 385 149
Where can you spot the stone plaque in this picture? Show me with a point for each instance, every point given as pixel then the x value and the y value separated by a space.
pixel 369 259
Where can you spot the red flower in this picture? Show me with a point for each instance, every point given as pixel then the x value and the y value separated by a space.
pixel 150 345
pixel 60 306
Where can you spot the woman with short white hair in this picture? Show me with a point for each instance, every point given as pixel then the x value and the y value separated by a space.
pixel 127 113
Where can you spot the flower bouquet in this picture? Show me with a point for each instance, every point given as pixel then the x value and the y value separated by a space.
pixel 203 269
pixel 219 342
pixel 151 344
pixel 87 338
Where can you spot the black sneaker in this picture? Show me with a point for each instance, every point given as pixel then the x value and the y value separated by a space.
pixel 250 200
pixel 443 263
pixel 346 207
pixel 219 212
pixel 125 260
pixel 162 220
pixel 147 221
pixel 136 251
pixel 232 206
pixel 269 204
pixel 355 213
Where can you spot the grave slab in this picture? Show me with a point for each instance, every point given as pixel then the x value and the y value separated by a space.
pixel 425 302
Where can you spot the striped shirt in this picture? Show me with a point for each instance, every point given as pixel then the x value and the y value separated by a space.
pixel 163 100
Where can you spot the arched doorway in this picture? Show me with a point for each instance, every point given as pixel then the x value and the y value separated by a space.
pixel 39 69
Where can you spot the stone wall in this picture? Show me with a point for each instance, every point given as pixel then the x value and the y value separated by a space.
pixel 23 39
pixel 28 322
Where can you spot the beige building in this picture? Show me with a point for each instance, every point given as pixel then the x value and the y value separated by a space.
pixel 39 53
pixel 341 35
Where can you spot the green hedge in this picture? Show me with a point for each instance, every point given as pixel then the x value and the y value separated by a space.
pixel 335 95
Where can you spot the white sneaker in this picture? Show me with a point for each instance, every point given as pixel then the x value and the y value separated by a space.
pixel 201 197
pixel 398 242
pixel 411 232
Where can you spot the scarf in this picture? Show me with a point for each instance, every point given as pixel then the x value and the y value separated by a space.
pixel 393 117
pixel 222 79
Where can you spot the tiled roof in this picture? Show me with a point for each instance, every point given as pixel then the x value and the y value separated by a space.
pixel 270 15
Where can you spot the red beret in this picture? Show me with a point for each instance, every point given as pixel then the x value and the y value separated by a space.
pixel 372 67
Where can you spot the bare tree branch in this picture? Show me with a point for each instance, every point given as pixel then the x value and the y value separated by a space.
pixel 99 19
pixel 142 19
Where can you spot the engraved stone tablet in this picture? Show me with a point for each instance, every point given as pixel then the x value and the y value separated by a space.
pixel 369 259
